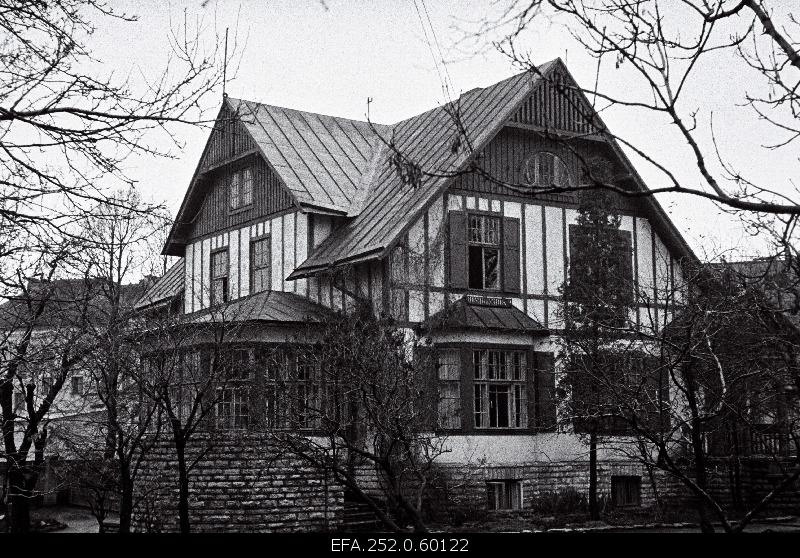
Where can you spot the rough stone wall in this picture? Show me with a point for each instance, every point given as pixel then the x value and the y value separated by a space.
pixel 464 486
pixel 240 483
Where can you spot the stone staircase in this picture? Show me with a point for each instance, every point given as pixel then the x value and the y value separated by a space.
pixel 358 517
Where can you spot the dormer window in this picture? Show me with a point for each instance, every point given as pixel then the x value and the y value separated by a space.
pixel 240 190
pixel 546 170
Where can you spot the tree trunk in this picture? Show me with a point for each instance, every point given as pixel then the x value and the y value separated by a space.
pixel 700 474
pixel 125 503
pixel 594 511
pixel 19 496
pixel 183 486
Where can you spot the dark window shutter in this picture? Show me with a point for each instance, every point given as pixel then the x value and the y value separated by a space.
pixel 626 263
pixel 530 388
pixel 428 379
pixel 545 391
pixel 457 277
pixel 657 393
pixel 467 391
pixel 511 280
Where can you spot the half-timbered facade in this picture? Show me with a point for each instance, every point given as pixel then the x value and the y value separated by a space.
pixel 436 221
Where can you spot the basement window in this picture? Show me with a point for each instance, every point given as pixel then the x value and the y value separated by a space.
pixel 626 491
pixel 504 495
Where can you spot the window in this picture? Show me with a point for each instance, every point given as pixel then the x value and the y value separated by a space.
pixel 504 495
pixel 448 364
pixel 77 385
pixel 603 284
pixel 241 188
pixel 306 404
pixel 626 491
pixel 47 384
pixel 233 395
pixel 484 252
pixel 260 265
pixel 19 401
pixel 276 367
pixel 219 277
pixel 546 170
pixel 500 389
pixel 232 411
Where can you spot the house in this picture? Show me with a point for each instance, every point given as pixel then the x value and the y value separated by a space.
pixel 437 221
pixel 50 372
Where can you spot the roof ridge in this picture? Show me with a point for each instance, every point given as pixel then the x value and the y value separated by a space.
pixel 322 114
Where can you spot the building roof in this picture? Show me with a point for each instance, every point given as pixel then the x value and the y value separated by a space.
pixel 165 288
pixel 351 168
pixel 267 307
pixel 67 302
pixel 484 313
pixel 427 140
pixel 321 159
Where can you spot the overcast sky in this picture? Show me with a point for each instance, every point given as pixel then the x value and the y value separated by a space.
pixel 331 57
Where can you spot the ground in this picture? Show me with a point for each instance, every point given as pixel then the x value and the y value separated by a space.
pixel 76 519
pixel 80 520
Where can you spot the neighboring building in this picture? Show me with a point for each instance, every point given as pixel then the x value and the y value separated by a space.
pixel 73 312
pixel 292 214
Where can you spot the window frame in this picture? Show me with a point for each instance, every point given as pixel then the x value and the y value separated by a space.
pixel 76 385
pixel 234 181
pixel 511 493
pixel 532 170
pixel 226 277
pixel 516 394
pixel 485 215
pixel 267 238
pixel 627 481
pixel 457 418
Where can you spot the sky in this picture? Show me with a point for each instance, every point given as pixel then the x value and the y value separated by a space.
pixel 332 56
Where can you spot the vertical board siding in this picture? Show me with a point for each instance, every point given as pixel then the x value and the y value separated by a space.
pixel 301 250
pixel 556 105
pixel 206 270
pixel 269 197
pixel 289 249
pixel 188 280
pixel 232 241
pixel 276 234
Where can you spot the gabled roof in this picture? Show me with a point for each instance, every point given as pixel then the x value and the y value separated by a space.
pixel 320 159
pixel 467 314
pixel 165 288
pixel 428 141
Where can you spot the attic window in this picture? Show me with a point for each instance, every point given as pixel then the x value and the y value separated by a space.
pixel 241 188
pixel 546 170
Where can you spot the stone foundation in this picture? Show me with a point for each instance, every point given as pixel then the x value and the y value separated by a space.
pixel 240 483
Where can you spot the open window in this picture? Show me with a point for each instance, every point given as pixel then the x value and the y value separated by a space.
pixel 500 392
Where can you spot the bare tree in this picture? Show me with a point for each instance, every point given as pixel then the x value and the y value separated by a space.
pixel 118 241
pixel 712 386
pixel 45 340
pixel 190 370
pixel 361 403
pixel 66 124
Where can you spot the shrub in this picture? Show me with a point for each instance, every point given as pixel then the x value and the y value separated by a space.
pixel 560 502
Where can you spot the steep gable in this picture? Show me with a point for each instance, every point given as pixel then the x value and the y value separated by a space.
pixel 429 141
pixel 315 162
pixel 530 100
